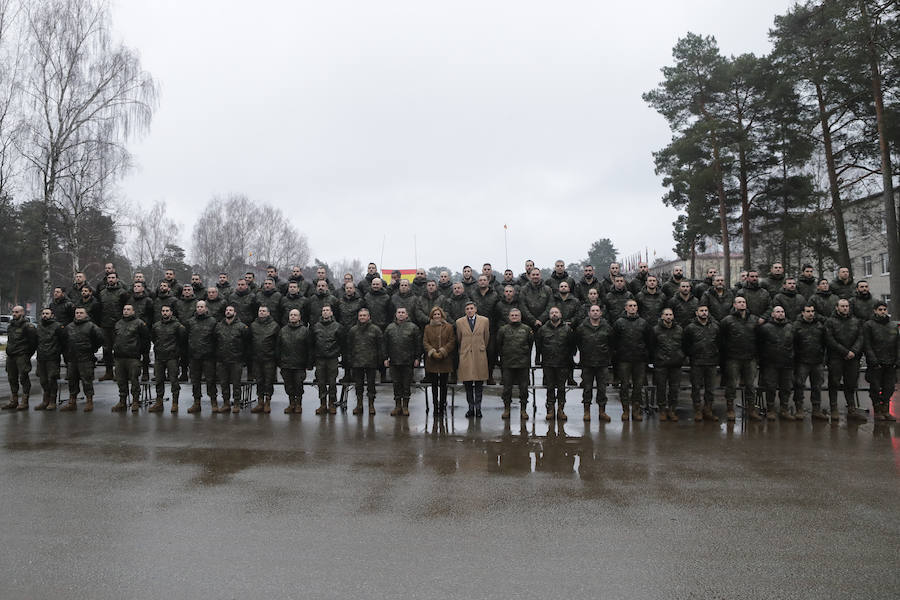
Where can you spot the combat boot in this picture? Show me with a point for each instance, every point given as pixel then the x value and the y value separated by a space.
pixel 560 413
pixel 89 404
pixel 323 409
pixel 523 411
pixel 663 414
pixel 174 409
pixel 626 414
pixel 853 414
pixel 298 405
pixel 51 402
pixel 259 407
pixel 69 406
pixel 226 406
pixel 708 414
pixel 785 414
pixel 818 414
pixel 729 411
pixel 44 402
pixel 267 407
pixel 214 405
pixel 835 415
pixel 195 407
pixel 506 411
pixel 371 406
pixel 110 374
pixel 636 413
pixel 877 412
pixel 771 415
pixel 13 403
pixel 157 406
pixel 358 409
pixel 396 411
pixel 405 407
pixel 587 413
pixel 754 415
pixel 119 406
pixel 551 413
pixel 673 416
pixel 698 413
pixel 798 412
pixel 236 407
pixel 603 416
pixel 885 412
pixel 23 403
pixel 135 405
pixel 332 409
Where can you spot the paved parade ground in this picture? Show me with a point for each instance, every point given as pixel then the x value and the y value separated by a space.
pixel 119 506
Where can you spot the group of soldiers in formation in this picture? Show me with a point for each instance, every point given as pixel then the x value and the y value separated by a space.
pixel 787 329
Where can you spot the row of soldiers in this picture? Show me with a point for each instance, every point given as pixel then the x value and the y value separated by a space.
pixel 792 346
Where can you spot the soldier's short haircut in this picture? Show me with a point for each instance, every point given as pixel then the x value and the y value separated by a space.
pixel 250 273
pixel 466 267
pixel 808 305
pixel 485 265
pixel 224 273
pixel 270 279
pixel 880 303
pixel 470 302
pixel 57 288
pixel 270 267
pixel 822 279
pixel 806 266
pixel 363 309
pixel 861 281
pixel 128 304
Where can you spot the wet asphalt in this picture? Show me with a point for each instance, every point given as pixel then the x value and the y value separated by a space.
pixel 107 505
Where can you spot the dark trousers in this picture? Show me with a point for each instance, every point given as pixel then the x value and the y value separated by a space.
pixel 439 388
pixel 667 380
pixel 203 368
pixel 80 372
pixel 492 354
pixel 164 369
pixel 594 378
pixel 326 375
pixel 128 373
pixel 109 337
pixel 518 376
pixel 815 374
pixel 293 382
pixel 474 391
pixel 17 370
pixel 703 377
pixel 364 378
pixel 773 378
pixel 555 381
pixel 48 372
pixel 740 372
pixel 265 377
pixel 229 380
pixel 882 380
pixel 631 379
pixel 846 372
pixel 401 376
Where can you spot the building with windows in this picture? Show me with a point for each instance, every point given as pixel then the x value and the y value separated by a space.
pixel 867 242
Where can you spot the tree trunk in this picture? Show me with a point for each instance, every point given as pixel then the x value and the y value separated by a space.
pixel 837 208
pixel 745 204
pixel 723 214
pixel 887 180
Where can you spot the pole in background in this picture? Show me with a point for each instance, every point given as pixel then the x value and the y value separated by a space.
pixel 506 245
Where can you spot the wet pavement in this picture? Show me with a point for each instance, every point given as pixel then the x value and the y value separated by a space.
pixel 118 506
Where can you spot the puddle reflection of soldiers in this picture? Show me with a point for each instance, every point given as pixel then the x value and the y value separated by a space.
pixel 554 456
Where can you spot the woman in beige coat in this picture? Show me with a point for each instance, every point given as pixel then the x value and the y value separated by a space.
pixel 439 342
pixel 472 335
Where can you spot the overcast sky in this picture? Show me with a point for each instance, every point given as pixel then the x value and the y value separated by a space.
pixel 421 123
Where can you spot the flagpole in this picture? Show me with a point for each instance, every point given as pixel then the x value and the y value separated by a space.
pixel 506 244
pixel 415 252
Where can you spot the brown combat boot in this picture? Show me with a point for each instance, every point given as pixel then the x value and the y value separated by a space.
pixel 551 413
pixel 637 414
pixel 673 416
pixel 523 411
pixel 332 408
pixel 506 410
pixel 663 414
pixel 603 416
pixel 754 414
pixel 157 406
pixel 23 403
pixel 371 406
pixel 13 403
pixel 214 406
pixel 818 414
pixel 798 412
pixel 236 407
pixel 174 409
pixel 43 404
pixel 729 411
pixel 785 414
pixel 226 406
pixel 771 414
pixel 69 406
pixel 854 414
pixel 587 413
pixel 323 409
pixel 358 409
pixel 698 413
pixel 404 406
pixel 51 402
pixel 195 407
pixel 89 404
pixel 267 405
pixel 561 414
pixel 119 406
pixel 135 406
pixel 259 407
pixel 396 411
pixel 626 413
pixel 708 414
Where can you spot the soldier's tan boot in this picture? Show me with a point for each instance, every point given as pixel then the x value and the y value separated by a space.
pixel 663 414
pixel 798 412
pixel 785 414
pixel 729 411
pixel 89 404
pixel 195 407
pixel 69 406
pixel 771 414
pixel 23 403
pixel 626 413
pixel 673 415
pixel 551 412
pixel 698 413
pixel 637 414
pixel 267 407
pixel 506 410
pixel 13 403
pixel 404 406
pixel 43 404
pixel 119 406
pixel 214 406
pixel 603 416
pixel 259 406
pixel 523 411
pixel 236 407
pixel 708 414
pixel 561 414
pixel 396 411
pixel 226 406
pixel 754 414
pixel 332 407
pixel 323 409
pixel 371 406
pixel 174 409
pixel 135 405
pixel 856 415
pixel 818 414
pixel 587 413
pixel 157 406
pixel 51 402
pixel 289 409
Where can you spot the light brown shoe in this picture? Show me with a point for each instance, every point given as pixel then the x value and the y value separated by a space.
pixel 69 406
pixel 587 413
pixel 637 414
pixel 267 406
pixel 174 408
pixel 358 409
pixel 856 415
pixel 523 411
pixel 818 414
pixel 698 414
pixel 23 403
pixel 156 406
pixel 89 404
pixel 626 413
pixel 663 414
pixel 372 407
pixel 505 414
pixel 13 403
pixel 561 414
pixel 708 414
pixel 551 413
pixel 258 407
pixel 118 406
pixel 235 408
pixel 194 408
pixel 673 416
pixel 604 417
pixel 785 415
pixel 754 414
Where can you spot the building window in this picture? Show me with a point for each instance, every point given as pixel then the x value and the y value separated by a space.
pixel 867 266
pixel 885 264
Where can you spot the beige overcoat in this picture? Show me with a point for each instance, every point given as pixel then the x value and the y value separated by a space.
pixel 473 362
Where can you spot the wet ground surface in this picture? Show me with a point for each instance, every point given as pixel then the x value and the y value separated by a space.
pixel 118 506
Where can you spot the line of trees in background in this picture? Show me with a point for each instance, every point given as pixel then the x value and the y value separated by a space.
pixel 769 149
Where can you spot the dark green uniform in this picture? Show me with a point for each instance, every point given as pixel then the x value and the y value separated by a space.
pixel 880 341
pixel 555 347
pixel 668 356
pixel 634 337
pixel 595 344
pixel 365 354
pixel 514 341
pixel 202 351
pixel 739 348
pixel 232 340
pixel 809 358
pixel 776 352
pixel 21 342
pixel 328 341
pixel 131 341
pixel 264 337
pixel 402 346
pixel 169 337
pixel 701 345
pixel 49 349
pixel 843 334
pixel 82 340
pixel 295 355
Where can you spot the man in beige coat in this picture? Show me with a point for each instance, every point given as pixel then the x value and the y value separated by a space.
pixel 472 335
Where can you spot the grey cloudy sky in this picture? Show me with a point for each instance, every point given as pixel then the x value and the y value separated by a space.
pixel 380 121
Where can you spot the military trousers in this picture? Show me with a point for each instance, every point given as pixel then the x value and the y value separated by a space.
pixel 80 372
pixel 703 381
pixel 48 372
pixel 631 380
pixel 166 369
pixel 555 381
pixel 17 371
pixel 515 376
pixel 815 374
pixel 228 375
pixel 667 381
pixel 401 376
pixel 128 374
pixel 594 378
pixel 203 368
